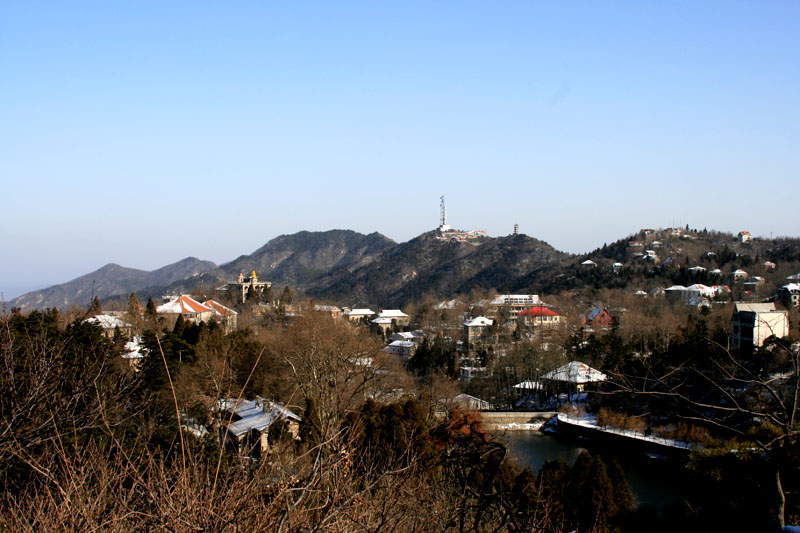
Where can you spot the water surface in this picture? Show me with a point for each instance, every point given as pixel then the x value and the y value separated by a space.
pixel 654 482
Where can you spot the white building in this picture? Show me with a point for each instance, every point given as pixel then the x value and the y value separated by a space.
pixel 476 330
pixel 190 309
pixel 396 316
pixel 790 294
pixel 355 315
pixel 110 324
pixel 512 304
pixel 740 275
pixel 753 323
pixel 404 349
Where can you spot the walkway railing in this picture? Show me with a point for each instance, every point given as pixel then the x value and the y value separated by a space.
pixel 590 422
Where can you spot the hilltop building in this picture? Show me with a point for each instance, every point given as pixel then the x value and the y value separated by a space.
pixel 243 286
pixel 512 304
pixel 446 233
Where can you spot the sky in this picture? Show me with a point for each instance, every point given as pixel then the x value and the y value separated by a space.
pixel 140 133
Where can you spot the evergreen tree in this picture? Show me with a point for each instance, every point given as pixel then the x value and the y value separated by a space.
pixel 266 296
pixel 310 425
pixel 623 496
pixel 133 306
pixel 287 295
pixel 150 312
pixel 94 307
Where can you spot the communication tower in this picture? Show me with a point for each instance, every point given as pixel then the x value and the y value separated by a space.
pixel 443 225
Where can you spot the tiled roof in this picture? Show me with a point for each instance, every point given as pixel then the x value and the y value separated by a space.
pixel 392 313
pixel 183 305
pixel 538 311
pixel 219 309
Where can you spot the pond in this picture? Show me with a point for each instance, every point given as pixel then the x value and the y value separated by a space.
pixel 655 482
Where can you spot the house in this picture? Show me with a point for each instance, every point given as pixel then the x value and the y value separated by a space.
pixel 246 424
pixel 577 374
pixel 539 316
pixel 754 284
pixel 191 310
pixel 511 304
pixel 448 304
pixel 789 294
pixel 696 294
pixel 616 267
pixel 744 237
pixel 390 319
pixel 334 311
pixel 634 246
pixel 111 324
pixel 769 266
pixel 414 336
pixel 354 315
pixel 675 293
pixel 658 291
pixel 697 269
pixel 245 286
pixel 650 255
pixel 597 317
pixel 468 371
pixel 382 323
pixel 739 275
pixel 753 323
pixel 589 264
pixel 226 316
pixel 133 354
pixel 473 403
pixel 404 349
pixel 478 330
pixel 397 317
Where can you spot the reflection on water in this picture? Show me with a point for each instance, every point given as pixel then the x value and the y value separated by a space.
pixel 532 448
pixel 655 482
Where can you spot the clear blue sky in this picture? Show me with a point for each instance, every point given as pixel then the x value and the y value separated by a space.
pixel 141 133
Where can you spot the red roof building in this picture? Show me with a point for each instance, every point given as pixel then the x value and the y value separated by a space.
pixel 539 315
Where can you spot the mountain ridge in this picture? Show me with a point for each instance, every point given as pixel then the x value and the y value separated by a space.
pixel 107 281
pixel 353 268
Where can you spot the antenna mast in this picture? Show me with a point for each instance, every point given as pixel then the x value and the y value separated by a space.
pixel 443 225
